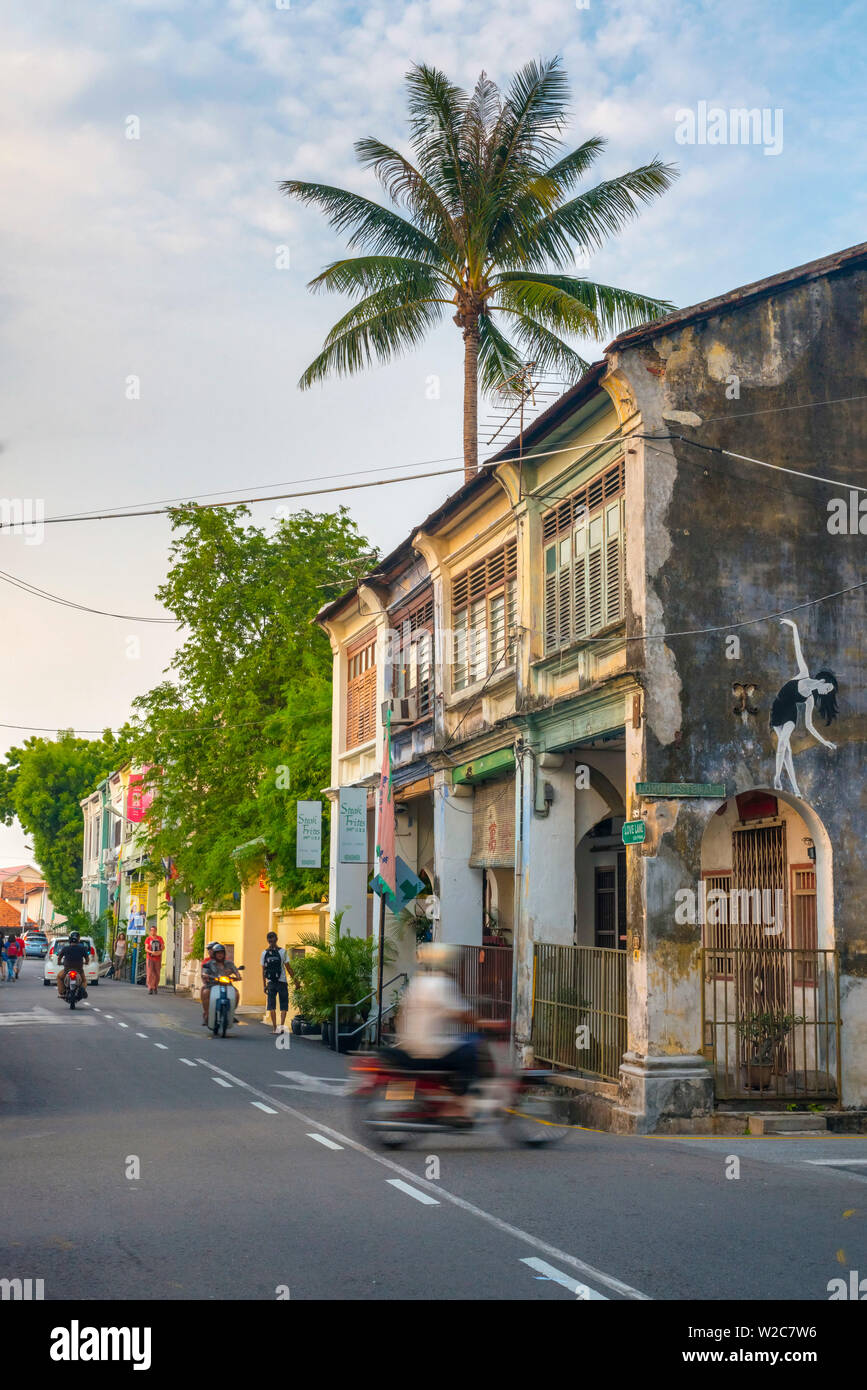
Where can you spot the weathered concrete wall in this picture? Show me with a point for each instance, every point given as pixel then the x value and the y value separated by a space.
pixel 730 541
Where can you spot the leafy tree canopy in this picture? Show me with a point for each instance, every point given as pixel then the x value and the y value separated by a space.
pixel 43 783
pixel 241 728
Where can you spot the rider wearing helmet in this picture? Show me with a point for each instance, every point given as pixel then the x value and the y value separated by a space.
pixel 73 955
pixel 215 965
pixel 435 1020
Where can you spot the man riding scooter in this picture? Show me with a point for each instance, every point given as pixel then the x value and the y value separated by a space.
pixel 212 968
pixel 73 955
pixel 435 1022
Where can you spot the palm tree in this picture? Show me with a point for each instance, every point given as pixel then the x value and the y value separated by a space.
pixel 487 206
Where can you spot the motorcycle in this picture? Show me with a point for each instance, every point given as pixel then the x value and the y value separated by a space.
pixel 392 1102
pixel 222 1003
pixel 73 988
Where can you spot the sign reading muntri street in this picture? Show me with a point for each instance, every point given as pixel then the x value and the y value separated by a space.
pixel 634 832
pixel 709 789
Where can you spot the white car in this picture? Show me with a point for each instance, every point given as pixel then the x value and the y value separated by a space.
pixel 49 970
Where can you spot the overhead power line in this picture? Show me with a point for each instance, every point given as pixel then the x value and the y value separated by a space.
pixel 26 587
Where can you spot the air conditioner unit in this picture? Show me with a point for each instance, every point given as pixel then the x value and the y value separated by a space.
pixel 404 709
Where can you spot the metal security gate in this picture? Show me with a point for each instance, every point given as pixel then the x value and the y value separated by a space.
pixel 579 1008
pixel 485 980
pixel 771 1022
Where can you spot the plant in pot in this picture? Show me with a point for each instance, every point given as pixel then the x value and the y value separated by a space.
pixel 338 971
pixel 765 1030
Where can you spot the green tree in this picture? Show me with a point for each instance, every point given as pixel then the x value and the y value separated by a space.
pixel 241 728
pixel 489 205
pixel 43 784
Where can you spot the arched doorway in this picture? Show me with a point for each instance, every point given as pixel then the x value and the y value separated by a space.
pixel 600 885
pixel 770 971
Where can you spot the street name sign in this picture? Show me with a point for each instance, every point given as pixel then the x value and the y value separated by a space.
pixel 634 832
pixel 708 789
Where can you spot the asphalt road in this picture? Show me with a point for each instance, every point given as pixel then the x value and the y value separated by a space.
pixel 237 1198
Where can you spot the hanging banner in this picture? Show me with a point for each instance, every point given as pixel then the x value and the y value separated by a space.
pixel 308 837
pixel 352 826
pixel 138 906
pixel 384 882
pixel 139 797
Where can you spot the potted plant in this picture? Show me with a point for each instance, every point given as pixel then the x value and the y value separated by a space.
pixel 765 1030
pixel 338 971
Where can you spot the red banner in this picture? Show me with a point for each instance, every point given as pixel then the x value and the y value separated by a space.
pixel 138 798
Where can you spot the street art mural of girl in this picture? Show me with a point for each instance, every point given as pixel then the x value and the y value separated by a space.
pixel 808 691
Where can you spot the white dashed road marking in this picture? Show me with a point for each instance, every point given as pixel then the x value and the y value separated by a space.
pixel 413 1192
pixel 320 1139
pixel 526 1238
pixel 832 1162
pixel 162 1047
pixel 186 1061
pixel 122 1025
pixel 583 1291
pixel 141 1035
pixel 260 1105
pixel 220 1082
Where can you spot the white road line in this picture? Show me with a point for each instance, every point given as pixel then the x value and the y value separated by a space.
pixel 320 1139
pixel 598 1277
pixel 186 1061
pixel 162 1046
pixel 109 1015
pixel 413 1192
pixel 834 1161
pixel 122 1025
pixel 220 1082
pixel 141 1035
pixel 582 1290
pixel 268 1109
pixel 96 1008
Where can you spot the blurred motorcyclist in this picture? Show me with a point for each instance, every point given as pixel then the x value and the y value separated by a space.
pixel 215 965
pixel 435 1019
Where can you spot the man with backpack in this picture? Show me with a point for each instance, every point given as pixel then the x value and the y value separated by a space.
pixel 275 960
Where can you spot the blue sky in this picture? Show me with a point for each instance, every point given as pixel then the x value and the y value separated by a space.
pixel 156 256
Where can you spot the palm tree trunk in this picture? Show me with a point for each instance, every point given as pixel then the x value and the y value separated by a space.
pixel 471 399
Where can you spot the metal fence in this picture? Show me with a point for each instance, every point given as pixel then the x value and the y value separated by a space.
pixel 771 1022
pixel 579 1008
pixel 485 980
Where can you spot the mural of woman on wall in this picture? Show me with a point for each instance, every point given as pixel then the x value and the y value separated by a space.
pixel 808 691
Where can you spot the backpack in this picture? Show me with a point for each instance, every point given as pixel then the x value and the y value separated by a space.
pixel 272 964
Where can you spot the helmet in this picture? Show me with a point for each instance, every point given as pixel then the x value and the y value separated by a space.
pixel 216 946
pixel 437 955
pixel 74 936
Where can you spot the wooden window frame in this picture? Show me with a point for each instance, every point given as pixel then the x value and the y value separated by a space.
pixel 473 592
pixel 794 869
pixel 360 707
pixel 415 624
pixel 715 947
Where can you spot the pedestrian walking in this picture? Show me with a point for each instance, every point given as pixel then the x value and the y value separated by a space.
pixel 274 961
pixel 4 958
pixel 154 948
pixel 18 946
pixel 119 954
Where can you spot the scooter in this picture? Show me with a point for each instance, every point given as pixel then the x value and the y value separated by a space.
pixel 392 1103
pixel 73 988
pixel 222 1003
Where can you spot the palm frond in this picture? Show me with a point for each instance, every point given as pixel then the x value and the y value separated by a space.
pixel 545 349
pixel 366 274
pixel 404 184
pixel 498 358
pixel 547 298
pixel 436 112
pixel 590 219
pixel 376 330
pixel 369 225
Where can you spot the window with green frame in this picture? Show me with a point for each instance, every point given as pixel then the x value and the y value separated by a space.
pixel 584 550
